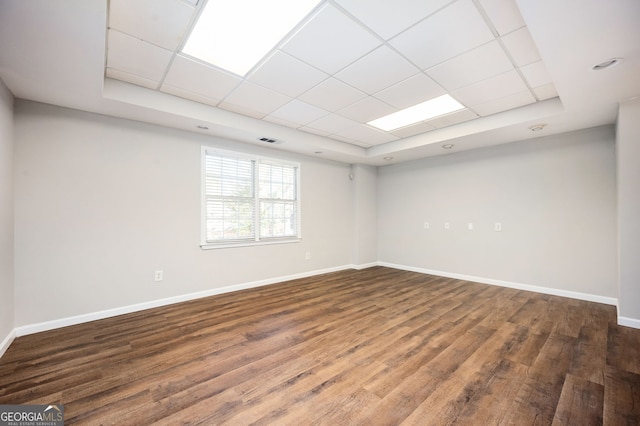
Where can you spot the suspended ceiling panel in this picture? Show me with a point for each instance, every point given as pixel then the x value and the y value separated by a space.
pixel 349 62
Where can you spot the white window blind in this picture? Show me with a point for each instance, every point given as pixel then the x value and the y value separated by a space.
pixel 249 199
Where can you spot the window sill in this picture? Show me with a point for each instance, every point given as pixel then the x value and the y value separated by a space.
pixel 213 246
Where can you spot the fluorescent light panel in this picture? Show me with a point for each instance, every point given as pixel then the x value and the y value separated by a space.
pixel 236 34
pixel 433 108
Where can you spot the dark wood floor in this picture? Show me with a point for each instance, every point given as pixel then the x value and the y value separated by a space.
pixel 372 347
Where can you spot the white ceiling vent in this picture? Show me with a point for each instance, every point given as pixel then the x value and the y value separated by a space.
pixel 269 140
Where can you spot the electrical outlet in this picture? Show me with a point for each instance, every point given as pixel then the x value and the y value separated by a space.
pixel 158 276
pixel 307 256
pixel 446 225
pixel 497 227
pixel 470 226
pixel 426 225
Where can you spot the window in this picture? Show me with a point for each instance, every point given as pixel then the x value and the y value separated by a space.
pixel 248 200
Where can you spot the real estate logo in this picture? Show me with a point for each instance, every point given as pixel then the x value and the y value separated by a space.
pixel 32 415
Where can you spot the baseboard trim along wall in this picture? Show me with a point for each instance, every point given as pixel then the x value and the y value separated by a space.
pixel 545 290
pixel 4 345
pixel 79 319
pixel 364 266
pixel 629 322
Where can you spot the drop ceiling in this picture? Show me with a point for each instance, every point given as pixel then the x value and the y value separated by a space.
pixel 512 64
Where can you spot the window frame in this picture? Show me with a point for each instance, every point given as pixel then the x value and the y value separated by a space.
pixel 257 239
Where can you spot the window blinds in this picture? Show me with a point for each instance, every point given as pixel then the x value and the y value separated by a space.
pixel 249 199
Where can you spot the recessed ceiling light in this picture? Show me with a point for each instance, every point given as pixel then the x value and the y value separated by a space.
pixel 236 35
pixel 537 127
pixel 606 64
pixel 388 158
pixel 424 111
pixel 202 127
pixel 448 146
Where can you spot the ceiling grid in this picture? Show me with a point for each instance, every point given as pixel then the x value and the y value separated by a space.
pixel 348 55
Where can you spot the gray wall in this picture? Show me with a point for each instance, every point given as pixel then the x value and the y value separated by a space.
pixel 628 144
pixel 365 201
pixel 6 214
pixel 555 199
pixel 101 203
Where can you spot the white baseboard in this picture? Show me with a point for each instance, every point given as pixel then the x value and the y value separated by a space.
pixel 629 322
pixel 93 316
pixel 518 286
pixel 78 319
pixel 364 266
pixel 4 345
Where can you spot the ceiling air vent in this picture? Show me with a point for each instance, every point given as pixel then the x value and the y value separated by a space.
pixel 269 140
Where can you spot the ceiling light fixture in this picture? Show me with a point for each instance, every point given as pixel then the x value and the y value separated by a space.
pixel 606 64
pixel 424 111
pixel 236 35
pixel 202 127
pixel 388 158
pixel 448 146
pixel 537 127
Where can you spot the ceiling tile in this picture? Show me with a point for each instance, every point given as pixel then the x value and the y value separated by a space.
pixel 332 95
pixel 367 135
pixel 160 22
pixel 366 110
pixel 331 50
pixel 514 100
pixel 411 91
pixel 197 97
pixel 281 122
pixel 377 70
pixel 350 141
pixel 453 118
pixel 493 88
pixel 252 97
pixel 244 110
pixel 388 18
pixel 314 131
pixel 536 74
pixel 299 77
pixel 332 123
pixel 455 29
pixel 470 67
pixel 504 15
pixel 521 47
pixel 130 78
pixel 196 77
pixel 133 56
pixel 546 91
pixel 298 112
pixel 415 129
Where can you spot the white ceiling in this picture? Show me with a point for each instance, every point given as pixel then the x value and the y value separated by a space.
pixel 511 63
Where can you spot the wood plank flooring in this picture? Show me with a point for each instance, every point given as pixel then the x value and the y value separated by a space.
pixel 373 347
